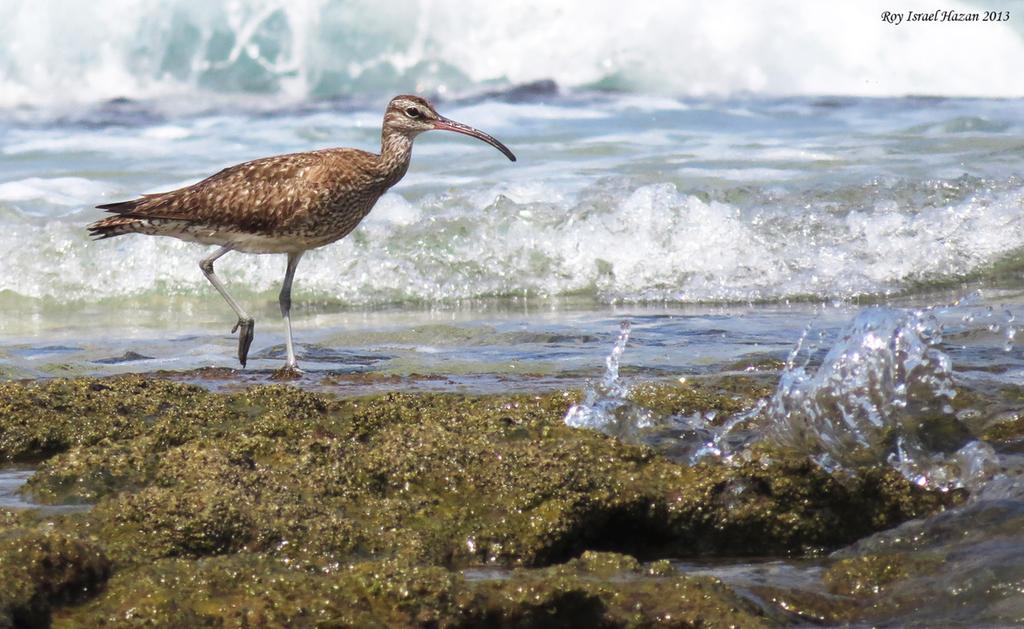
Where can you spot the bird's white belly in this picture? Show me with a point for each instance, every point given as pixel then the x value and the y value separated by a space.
pixel 243 241
pixel 268 244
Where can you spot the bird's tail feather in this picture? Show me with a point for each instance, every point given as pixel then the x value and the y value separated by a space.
pixel 122 207
pixel 115 226
pixel 123 223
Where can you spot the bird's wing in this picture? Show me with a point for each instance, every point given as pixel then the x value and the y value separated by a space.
pixel 263 195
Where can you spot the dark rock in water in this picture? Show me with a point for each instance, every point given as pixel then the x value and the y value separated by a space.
pixel 320 353
pixel 966 562
pixel 525 92
pixel 521 93
pixel 277 505
pixel 114 112
pixel 127 357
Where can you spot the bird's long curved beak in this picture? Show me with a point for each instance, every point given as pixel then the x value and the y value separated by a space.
pixel 450 125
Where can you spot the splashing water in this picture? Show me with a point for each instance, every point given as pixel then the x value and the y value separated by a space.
pixel 697 438
pixel 883 393
pixel 606 405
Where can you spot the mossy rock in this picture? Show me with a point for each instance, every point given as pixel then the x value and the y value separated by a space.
pixel 865 576
pixel 724 396
pixel 279 486
pixel 438 478
pixel 255 590
pixel 42 569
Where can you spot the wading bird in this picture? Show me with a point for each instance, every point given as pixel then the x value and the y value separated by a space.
pixel 283 204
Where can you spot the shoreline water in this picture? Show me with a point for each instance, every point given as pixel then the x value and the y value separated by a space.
pixel 483 348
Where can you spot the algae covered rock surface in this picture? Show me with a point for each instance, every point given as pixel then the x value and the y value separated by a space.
pixel 279 506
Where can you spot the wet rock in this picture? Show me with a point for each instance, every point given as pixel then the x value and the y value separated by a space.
pixel 724 396
pixel 127 357
pixel 40 419
pixel 1008 434
pixel 40 570
pixel 865 576
pixel 451 480
pixel 254 590
pixel 199 494
pixel 603 590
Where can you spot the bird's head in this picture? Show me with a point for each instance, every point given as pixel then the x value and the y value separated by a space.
pixel 412 115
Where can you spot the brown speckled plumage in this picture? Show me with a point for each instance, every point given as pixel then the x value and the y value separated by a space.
pixel 309 199
pixel 272 205
pixel 283 204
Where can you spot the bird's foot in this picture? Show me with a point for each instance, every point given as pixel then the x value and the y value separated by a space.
pixel 244 338
pixel 290 371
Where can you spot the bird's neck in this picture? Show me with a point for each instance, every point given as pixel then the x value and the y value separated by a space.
pixel 395 152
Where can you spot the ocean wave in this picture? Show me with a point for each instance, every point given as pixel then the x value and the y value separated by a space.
pixel 610 241
pixel 66 191
pixel 56 53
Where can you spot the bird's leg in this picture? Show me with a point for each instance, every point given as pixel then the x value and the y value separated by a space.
pixel 285 299
pixel 245 322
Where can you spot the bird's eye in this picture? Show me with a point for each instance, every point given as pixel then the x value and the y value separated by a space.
pixel 412 112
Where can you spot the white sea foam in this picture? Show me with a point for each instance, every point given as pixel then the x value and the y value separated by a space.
pixel 649 243
pixel 63 142
pixel 393 210
pixel 53 190
pixel 166 133
pixel 298 49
